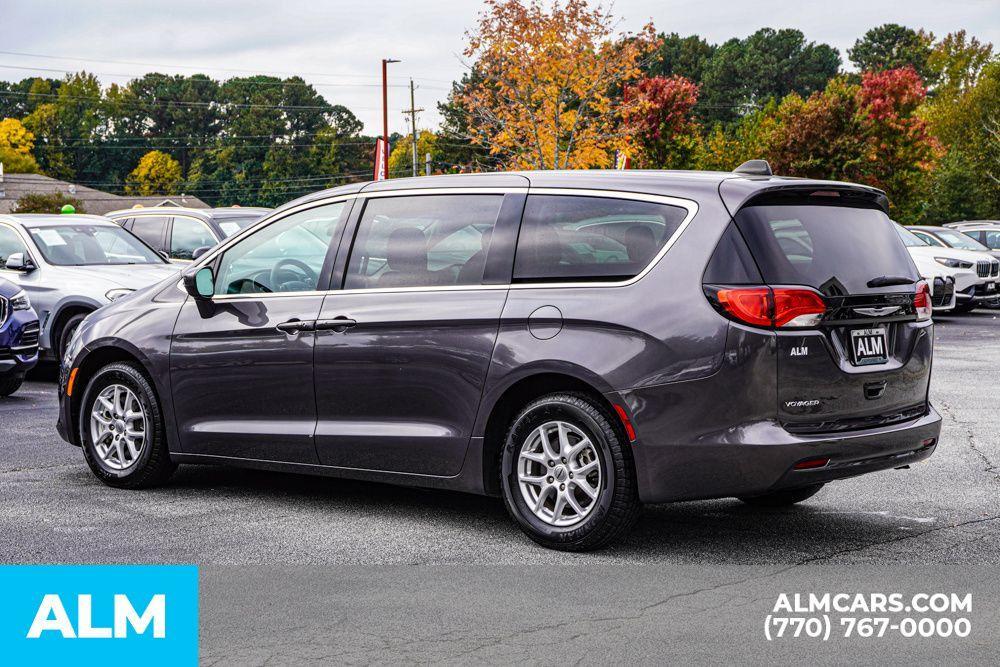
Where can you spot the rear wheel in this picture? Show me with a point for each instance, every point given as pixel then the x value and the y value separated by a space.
pixel 121 428
pixel 567 475
pixel 9 385
pixel 783 498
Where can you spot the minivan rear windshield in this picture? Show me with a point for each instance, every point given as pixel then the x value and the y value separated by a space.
pixel 835 249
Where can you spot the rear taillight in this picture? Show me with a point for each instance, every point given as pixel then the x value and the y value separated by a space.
pixel 797 307
pixel 922 301
pixel 772 306
pixel 747 304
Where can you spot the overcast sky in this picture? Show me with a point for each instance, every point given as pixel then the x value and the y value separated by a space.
pixel 337 46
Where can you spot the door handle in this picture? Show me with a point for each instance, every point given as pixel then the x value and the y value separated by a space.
pixel 295 326
pixel 339 324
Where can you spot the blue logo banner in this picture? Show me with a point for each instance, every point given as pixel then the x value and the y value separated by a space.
pixel 99 614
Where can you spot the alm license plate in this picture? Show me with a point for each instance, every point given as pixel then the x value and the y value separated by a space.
pixel 868 346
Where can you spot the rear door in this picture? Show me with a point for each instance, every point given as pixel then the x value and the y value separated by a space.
pixel 868 361
pixel 403 350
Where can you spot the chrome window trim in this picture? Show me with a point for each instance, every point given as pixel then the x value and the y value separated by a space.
pixel 689 205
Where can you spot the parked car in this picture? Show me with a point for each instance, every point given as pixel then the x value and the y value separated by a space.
pixel 951 238
pixel 18 337
pixel 976 273
pixel 986 232
pixel 71 265
pixel 720 335
pixel 181 234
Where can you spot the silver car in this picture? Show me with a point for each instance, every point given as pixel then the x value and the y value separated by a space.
pixel 71 265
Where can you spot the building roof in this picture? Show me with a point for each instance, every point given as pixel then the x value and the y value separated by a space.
pixel 15 186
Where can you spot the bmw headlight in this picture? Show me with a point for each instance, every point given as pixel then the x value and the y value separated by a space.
pixel 115 294
pixel 20 301
pixel 953 263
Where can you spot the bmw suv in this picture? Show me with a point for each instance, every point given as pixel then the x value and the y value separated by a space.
pixel 577 343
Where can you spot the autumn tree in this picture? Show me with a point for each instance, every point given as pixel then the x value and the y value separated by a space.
pixel 659 115
pixel 549 81
pixel 401 158
pixel 156 174
pixel 16 143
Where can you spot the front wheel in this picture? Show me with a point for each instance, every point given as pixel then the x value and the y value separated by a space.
pixel 568 478
pixel 121 428
pixel 783 498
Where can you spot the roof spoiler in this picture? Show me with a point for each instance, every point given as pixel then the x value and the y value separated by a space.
pixel 754 168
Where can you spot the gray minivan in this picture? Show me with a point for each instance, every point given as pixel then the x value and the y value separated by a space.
pixel 579 343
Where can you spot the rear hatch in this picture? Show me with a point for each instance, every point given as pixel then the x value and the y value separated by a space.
pixel 854 350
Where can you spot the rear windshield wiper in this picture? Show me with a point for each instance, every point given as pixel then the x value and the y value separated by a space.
pixel 889 281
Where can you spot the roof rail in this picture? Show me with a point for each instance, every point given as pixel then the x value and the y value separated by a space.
pixel 754 168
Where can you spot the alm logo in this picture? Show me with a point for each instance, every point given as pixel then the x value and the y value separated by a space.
pixel 52 617
pixel 99 614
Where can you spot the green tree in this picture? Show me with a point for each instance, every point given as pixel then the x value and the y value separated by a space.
pixel 401 157
pixel 47 203
pixel 956 62
pixel 892 46
pixel 681 56
pixel 16 143
pixel 769 64
pixel 156 174
pixel 456 149
pixel 956 192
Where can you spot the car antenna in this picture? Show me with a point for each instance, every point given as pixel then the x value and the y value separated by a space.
pixel 754 168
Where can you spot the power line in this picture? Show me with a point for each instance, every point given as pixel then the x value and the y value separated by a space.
pixel 168 76
pixel 53 147
pixel 194 67
pixel 175 103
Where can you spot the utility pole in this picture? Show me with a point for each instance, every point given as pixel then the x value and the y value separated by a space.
pixel 385 114
pixel 412 112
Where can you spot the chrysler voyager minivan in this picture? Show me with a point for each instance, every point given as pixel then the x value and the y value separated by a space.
pixel 577 343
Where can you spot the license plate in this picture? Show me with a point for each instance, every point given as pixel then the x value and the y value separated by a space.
pixel 868 346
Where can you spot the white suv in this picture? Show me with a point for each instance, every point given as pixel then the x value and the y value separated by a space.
pixel 975 274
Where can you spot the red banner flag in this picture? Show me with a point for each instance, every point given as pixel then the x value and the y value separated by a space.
pixel 381 166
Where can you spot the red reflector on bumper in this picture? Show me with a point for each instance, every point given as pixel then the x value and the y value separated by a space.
pixel 809 464
pixel 929 442
pixel 629 430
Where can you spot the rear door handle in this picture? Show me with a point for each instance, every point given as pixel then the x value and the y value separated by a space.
pixel 339 324
pixel 295 326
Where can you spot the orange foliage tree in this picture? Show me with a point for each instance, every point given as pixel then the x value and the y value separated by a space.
pixel 551 79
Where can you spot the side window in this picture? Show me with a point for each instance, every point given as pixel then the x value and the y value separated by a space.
pixel 285 256
pixel 571 237
pixel 931 240
pixel 150 228
pixel 423 241
pixel 10 243
pixel 992 240
pixel 187 236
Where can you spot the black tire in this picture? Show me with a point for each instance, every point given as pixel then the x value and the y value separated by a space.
pixel 617 503
pixel 66 334
pixel 783 498
pixel 9 385
pixel 153 465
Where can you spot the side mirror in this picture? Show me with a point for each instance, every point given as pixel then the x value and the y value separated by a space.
pixel 17 262
pixel 201 283
pixel 198 252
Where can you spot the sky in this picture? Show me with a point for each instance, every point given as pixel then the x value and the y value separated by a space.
pixel 338 45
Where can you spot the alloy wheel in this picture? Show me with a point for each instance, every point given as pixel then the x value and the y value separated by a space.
pixel 118 427
pixel 559 473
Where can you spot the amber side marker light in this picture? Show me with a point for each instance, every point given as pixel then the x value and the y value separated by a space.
pixel 810 464
pixel 71 381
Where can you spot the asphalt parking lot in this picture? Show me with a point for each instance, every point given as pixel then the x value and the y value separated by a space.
pixel 241 526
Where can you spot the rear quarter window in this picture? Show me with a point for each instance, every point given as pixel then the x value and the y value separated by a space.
pixel 587 238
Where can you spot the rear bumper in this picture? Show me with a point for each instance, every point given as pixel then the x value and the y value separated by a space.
pixel 761 457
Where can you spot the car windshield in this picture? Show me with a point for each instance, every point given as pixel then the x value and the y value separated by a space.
pixel 233 224
pixel 91 245
pixel 910 240
pixel 960 240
